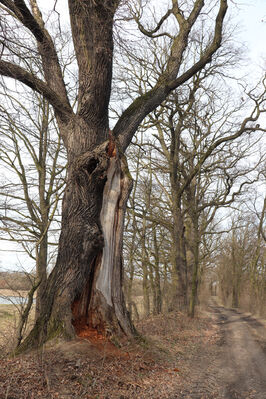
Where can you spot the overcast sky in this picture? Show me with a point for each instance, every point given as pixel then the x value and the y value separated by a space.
pixel 250 17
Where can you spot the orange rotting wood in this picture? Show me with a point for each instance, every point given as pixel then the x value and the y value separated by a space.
pixel 83 327
pixel 83 330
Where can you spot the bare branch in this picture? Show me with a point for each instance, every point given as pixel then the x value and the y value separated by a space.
pixel 143 105
pixel 13 71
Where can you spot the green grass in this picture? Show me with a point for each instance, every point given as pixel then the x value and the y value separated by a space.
pixel 4 314
pixel 7 312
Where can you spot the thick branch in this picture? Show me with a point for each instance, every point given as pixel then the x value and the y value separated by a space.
pixel 10 70
pixel 23 14
pixel 150 33
pixel 260 230
pixel 243 129
pixel 211 49
pixel 35 24
pixel 143 105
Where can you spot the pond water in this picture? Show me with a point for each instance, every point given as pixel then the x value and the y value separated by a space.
pixel 12 300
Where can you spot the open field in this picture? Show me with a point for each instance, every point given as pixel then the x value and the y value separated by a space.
pixel 7 292
pixel 8 322
pixel 9 317
pixel 6 313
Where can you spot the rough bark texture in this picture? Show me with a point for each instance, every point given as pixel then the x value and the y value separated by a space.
pixel 180 283
pixel 84 291
pixel 179 261
pixel 41 272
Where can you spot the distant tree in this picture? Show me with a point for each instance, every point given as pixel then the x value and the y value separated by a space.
pixel 197 136
pixel 241 263
pixel 198 142
pixel 143 233
pixel 33 164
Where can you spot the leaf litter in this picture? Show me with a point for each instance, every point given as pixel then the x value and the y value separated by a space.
pixel 157 367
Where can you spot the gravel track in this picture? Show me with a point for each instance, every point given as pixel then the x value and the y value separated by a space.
pixel 236 367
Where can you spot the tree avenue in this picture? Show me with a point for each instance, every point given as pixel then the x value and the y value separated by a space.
pixel 84 290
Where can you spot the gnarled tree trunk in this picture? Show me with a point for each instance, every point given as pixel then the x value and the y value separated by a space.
pixel 84 291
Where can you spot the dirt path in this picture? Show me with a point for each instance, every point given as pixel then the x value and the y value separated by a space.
pixel 236 369
pixel 243 368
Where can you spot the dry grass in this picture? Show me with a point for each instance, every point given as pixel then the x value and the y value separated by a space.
pixel 9 317
pixel 8 292
pixel 8 322
pixel 155 367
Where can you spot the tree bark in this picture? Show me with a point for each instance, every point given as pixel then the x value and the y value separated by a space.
pixel 180 284
pixel 157 294
pixel 195 273
pixel 41 273
pixel 179 261
pixel 84 291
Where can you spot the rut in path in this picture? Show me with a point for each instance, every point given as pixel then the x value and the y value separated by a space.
pixel 237 368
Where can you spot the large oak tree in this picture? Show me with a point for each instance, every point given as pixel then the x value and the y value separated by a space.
pixel 84 290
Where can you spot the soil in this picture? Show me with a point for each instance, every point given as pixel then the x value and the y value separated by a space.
pixel 221 354
pixel 235 367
